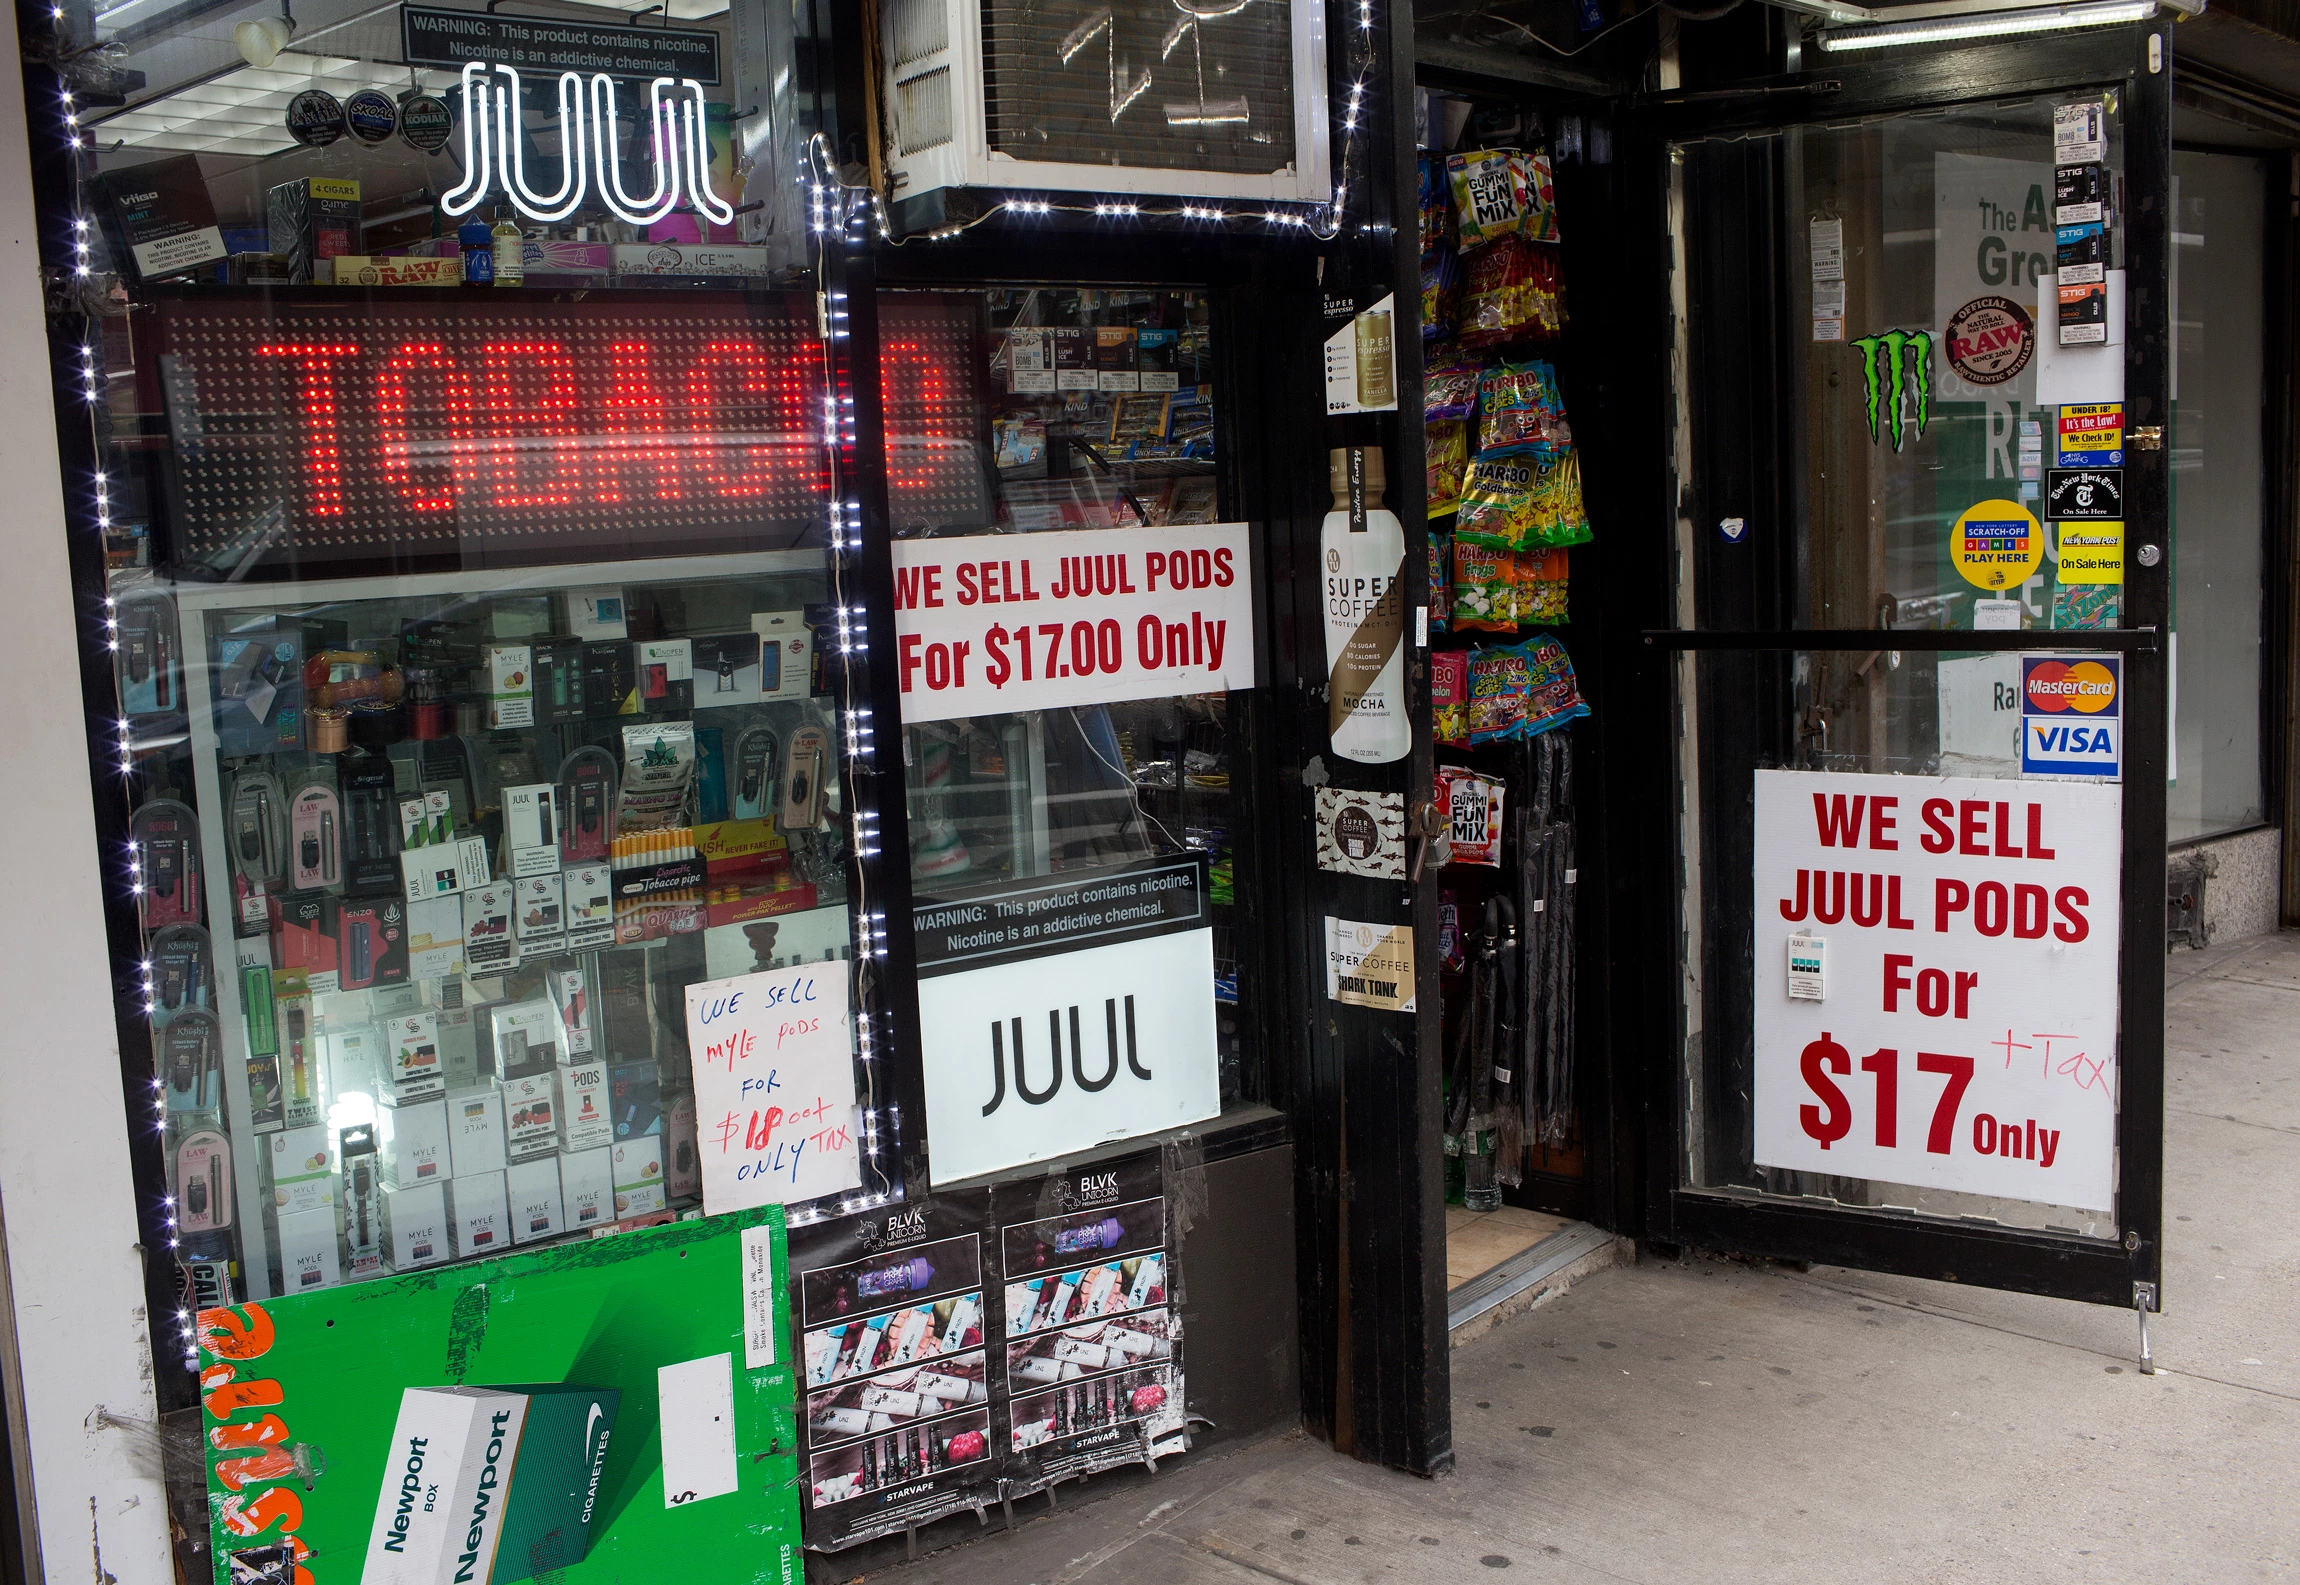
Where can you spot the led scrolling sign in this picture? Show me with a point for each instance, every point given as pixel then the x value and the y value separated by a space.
pixel 389 430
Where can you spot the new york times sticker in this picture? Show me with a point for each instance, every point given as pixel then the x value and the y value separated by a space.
pixel 1997 544
pixel 1991 340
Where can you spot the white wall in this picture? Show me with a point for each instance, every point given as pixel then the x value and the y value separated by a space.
pixel 73 1272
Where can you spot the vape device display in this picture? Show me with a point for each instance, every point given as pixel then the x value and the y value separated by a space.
pixel 531 829
pixel 587 1187
pixel 558 685
pixel 166 835
pixel 475 1133
pixel 751 776
pixel 358 946
pixel 802 804
pixel 182 970
pixel 191 1062
pixel 531 1195
pixel 478 1217
pixel 150 655
pixel 412 1142
pixel 307 1250
pixel 370 842
pixel 362 1196
pixel 315 843
pixel 203 1182
pixel 531 1115
pixel 586 783
pixel 416 1068
pixel 258 826
pixel 786 646
pixel 584 1120
pixel 726 670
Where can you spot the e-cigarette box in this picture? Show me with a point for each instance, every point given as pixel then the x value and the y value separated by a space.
pixel 636 1091
pixel 558 672
pixel 539 915
pixel 786 654
pixel 306 942
pixel 307 1250
pixel 571 994
pixel 415 1225
pixel 435 935
pixel 510 686
pixel 638 1170
pixel 531 1115
pixel 478 1216
pixel 525 1036
pixel 584 1119
pixel 726 670
pixel 411 1142
pixel 303 1170
pixel 587 1187
pixel 416 1070
pixel 475 1133
pixel 531 828
pixel 610 678
pixel 532 1190
pixel 666 674
pixel 488 945
pixel 589 905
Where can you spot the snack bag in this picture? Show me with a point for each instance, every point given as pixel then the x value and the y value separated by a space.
pixel 1445 460
pixel 1558 516
pixel 1554 698
pixel 1436 209
pixel 1452 959
pixel 1497 502
pixel 1472 806
pixel 1441 582
pixel 1489 195
pixel 1499 305
pixel 1450 392
pixel 1484 588
pixel 1449 697
pixel 1541 587
pixel 1500 691
pixel 1441 295
pixel 1540 222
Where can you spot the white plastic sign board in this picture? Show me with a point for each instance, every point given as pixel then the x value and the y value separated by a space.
pixel 1062 1015
pixel 994 623
pixel 1967 1040
pixel 774 1086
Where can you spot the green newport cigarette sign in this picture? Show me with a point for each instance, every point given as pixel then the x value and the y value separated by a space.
pixel 588 1414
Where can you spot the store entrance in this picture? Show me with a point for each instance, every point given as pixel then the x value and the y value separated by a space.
pixel 1919 782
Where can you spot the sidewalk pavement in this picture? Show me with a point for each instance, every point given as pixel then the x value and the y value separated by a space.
pixel 1702 1420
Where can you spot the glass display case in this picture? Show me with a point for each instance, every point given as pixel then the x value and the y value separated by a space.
pixel 463 839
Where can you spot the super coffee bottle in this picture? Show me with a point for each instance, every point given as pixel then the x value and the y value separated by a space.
pixel 1363 548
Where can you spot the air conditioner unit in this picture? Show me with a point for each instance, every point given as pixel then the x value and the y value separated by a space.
pixel 1212 99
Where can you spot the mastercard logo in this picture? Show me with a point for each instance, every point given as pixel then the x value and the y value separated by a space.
pixel 2087 686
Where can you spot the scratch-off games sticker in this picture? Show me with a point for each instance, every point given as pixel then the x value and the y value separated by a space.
pixel 1997 544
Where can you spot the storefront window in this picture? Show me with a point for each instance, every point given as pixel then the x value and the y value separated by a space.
pixel 2217 494
pixel 1092 571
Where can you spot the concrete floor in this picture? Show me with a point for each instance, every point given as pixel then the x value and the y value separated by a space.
pixel 1706 1421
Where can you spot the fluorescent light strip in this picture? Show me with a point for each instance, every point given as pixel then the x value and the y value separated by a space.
pixel 1996 24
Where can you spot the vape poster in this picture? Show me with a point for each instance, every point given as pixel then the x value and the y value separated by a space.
pixel 575 1414
pixel 1089 1336
pixel 897 1371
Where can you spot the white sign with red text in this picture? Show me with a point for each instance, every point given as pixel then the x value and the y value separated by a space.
pixel 993 623
pixel 1966 1034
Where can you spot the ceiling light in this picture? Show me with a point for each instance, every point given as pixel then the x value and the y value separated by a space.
pixel 1990 24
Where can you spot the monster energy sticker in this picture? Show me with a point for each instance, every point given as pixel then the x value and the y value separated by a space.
pixel 1897 382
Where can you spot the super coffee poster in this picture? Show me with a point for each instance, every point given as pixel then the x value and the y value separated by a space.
pixel 586 1412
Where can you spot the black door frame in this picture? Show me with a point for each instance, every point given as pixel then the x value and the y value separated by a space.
pixel 2124 1272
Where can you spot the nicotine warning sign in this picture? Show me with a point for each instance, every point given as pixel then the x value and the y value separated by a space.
pixel 1965 1037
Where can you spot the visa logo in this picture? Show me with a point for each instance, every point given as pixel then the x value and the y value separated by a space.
pixel 2074 742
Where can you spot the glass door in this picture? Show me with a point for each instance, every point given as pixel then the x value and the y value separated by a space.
pixel 1919 679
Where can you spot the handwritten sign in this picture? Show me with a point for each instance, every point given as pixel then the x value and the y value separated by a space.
pixel 774 1086
pixel 1936 982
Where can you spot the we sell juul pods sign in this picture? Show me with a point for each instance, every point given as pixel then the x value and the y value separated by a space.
pixel 1059 1015
pixel 1936 982
pixel 1001 622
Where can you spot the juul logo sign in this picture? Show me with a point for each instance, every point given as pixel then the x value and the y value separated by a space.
pixel 494 149
pixel 1039 1097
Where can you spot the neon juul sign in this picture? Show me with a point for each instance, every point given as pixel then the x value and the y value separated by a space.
pixel 494 155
